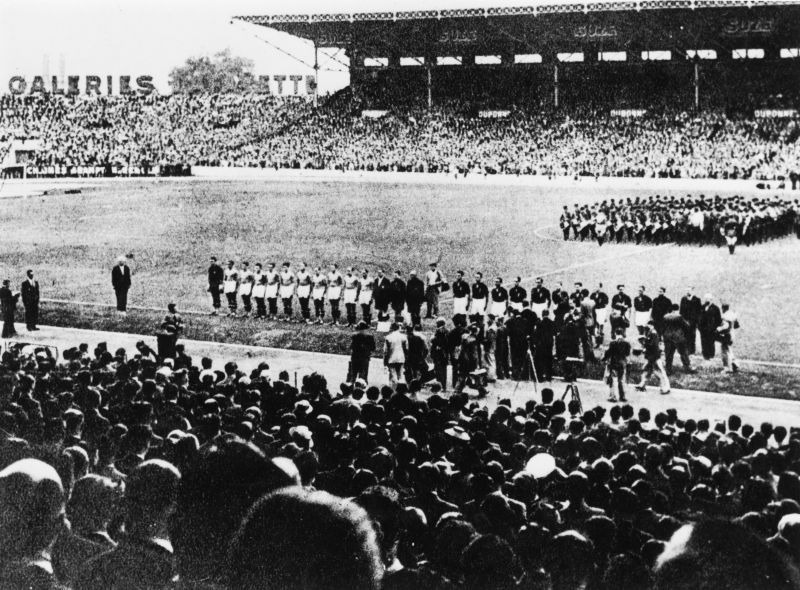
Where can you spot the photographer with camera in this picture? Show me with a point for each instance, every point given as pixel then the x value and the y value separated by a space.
pixel 653 363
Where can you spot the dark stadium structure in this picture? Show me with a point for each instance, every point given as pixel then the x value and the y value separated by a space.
pixel 627 54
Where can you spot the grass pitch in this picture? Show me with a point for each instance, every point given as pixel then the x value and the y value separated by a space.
pixel 171 227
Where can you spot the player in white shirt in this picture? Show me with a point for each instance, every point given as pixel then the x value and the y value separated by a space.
pixel 365 296
pixel 335 282
pixel 273 282
pixel 320 284
pixel 260 291
pixel 287 281
pixel 304 284
pixel 351 286
pixel 231 287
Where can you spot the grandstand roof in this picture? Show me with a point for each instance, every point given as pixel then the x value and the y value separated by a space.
pixel 562 25
pixel 468 8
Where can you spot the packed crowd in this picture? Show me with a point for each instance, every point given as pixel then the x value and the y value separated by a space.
pixel 133 134
pixel 690 220
pixel 123 470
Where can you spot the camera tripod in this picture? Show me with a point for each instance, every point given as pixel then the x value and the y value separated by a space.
pixel 575 394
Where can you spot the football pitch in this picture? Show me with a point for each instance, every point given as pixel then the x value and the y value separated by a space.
pixel 170 228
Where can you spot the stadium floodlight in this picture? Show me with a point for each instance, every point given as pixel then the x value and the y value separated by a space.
pixel 412 61
pixel 361 16
pixel 612 56
pixel 449 60
pixel 701 53
pixel 754 53
pixel 511 11
pixel 463 12
pixel 527 58
pixel 488 60
pixel 570 57
pixel 790 53
pixel 656 55
pixel 376 62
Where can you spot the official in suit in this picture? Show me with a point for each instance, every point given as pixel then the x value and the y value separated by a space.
pixel 30 299
pixel 676 329
pixel 395 350
pixel 415 297
pixel 215 278
pixel 440 352
pixel 362 346
pixel 710 320
pixel 691 308
pixel 8 304
pixel 121 281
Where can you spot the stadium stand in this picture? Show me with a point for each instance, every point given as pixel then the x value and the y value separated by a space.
pixel 81 136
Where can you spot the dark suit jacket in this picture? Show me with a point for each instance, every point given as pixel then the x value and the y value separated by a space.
pixel 691 308
pixel 8 301
pixel 30 293
pixel 121 277
pixel 397 292
pixel 381 292
pixel 710 318
pixel 362 345
pixel 415 291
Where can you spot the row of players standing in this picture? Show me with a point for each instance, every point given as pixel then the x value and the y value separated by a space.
pixel 595 309
pixel 470 301
pixel 261 289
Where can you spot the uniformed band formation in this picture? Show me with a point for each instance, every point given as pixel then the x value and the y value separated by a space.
pixel 683 220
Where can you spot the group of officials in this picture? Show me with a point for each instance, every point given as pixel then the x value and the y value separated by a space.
pixel 542 329
pixel 29 291
pixel 684 220
pixel 260 290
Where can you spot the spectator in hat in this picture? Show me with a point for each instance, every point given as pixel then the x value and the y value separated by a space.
pixel 143 558
pixel 335 548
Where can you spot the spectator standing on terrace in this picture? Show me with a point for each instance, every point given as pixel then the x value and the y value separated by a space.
pixel 121 281
pixel 30 299
pixel 8 302
pixel 215 277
